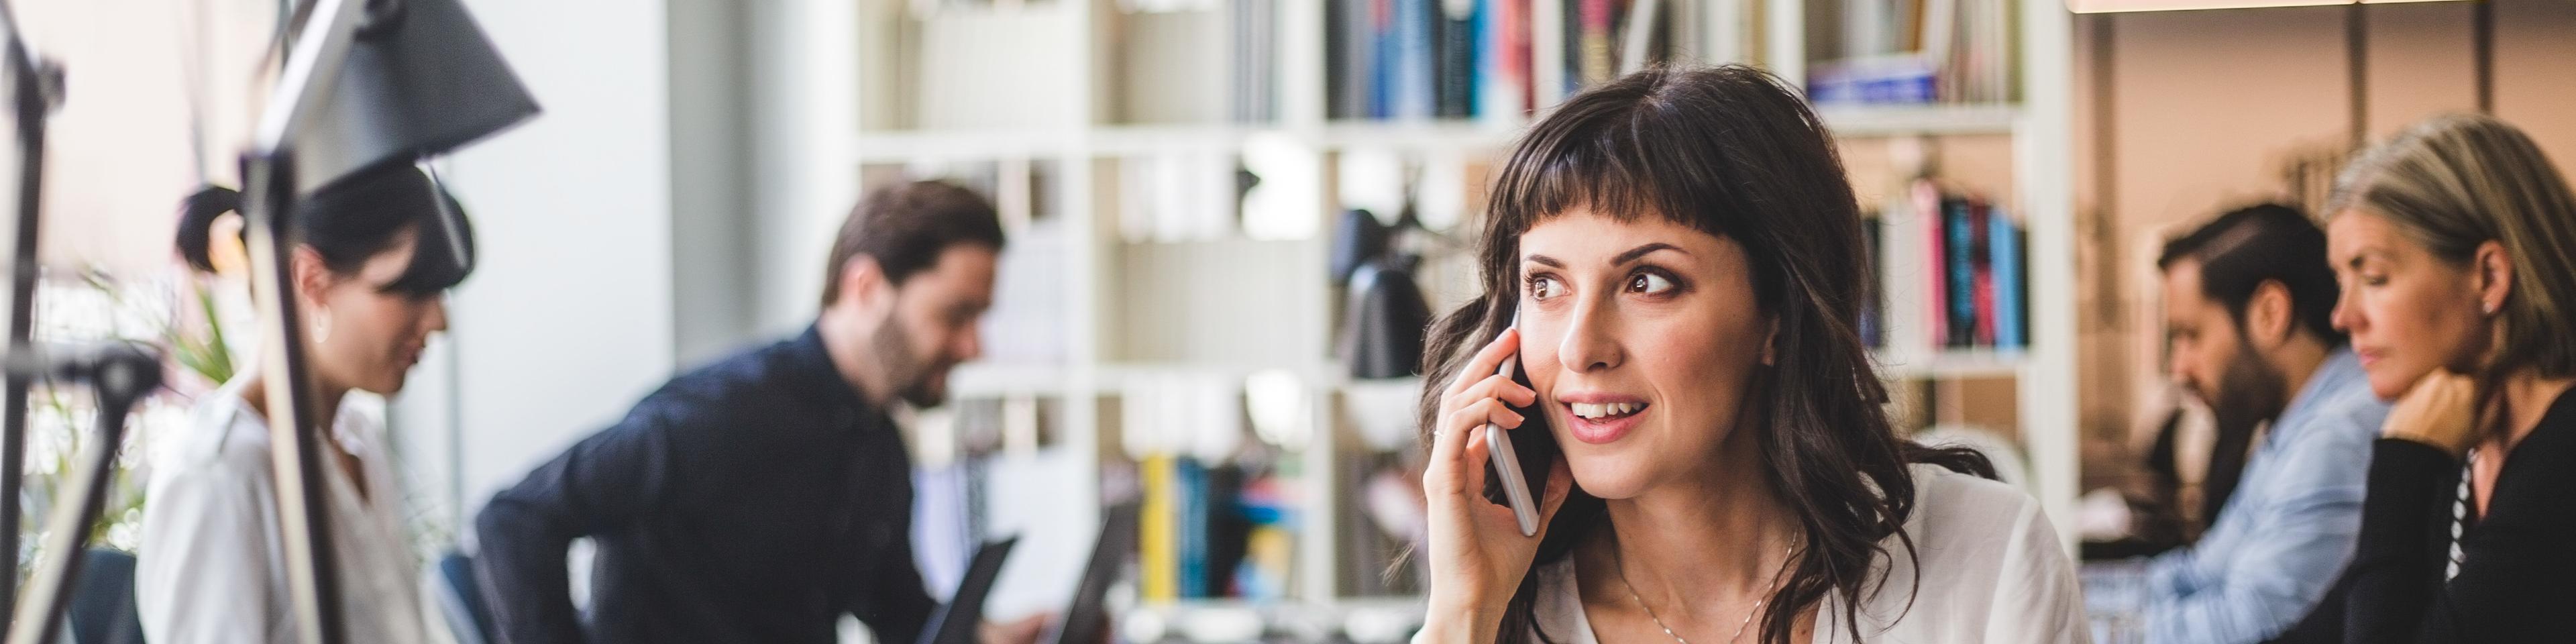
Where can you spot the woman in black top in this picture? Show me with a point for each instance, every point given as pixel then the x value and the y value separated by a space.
pixel 2456 246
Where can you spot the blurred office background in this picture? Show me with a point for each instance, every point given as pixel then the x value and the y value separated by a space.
pixel 1174 175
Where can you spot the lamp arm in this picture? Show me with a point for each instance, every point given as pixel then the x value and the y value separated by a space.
pixel 311 70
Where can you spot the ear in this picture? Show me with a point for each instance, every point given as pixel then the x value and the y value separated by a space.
pixel 2267 314
pixel 863 283
pixel 311 276
pixel 1771 343
pixel 224 246
pixel 2493 266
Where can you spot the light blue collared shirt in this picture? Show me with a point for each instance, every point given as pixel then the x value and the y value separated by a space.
pixel 2285 535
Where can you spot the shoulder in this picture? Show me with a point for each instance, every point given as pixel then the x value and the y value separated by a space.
pixel 736 381
pixel 1558 613
pixel 1965 528
pixel 224 440
pixel 2354 414
pixel 1963 508
pixel 2346 411
pixel 1979 546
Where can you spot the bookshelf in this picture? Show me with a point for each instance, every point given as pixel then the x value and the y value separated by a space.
pixel 1103 118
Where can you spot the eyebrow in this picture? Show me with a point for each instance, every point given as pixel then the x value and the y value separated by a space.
pixel 2366 253
pixel 1622 258
pixel 1642 251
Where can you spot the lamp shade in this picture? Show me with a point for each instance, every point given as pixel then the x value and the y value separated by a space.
pixel 420 79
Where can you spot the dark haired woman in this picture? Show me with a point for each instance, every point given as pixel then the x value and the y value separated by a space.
pixel 377 255
pixel 1685 257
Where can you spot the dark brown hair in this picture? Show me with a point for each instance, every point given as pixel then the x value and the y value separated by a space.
pixel 906 226
pixel 1733 152
pixel 2243 249
pixel 355 218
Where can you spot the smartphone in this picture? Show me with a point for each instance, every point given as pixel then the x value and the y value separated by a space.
pixel 1519 458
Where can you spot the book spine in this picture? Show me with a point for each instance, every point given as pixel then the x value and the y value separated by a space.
pixel 1982 252
pixel 2010 290
pixel 1502 60
pixel 1416 27
pixel 1960 266
pixel 1873 323
pixel 1456 75
pixel 1593 41
pixel 1156 548
pixel 1382 57
pixel 1192 485
pixel 1928 215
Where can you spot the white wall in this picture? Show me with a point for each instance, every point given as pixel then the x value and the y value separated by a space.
pixel 568 318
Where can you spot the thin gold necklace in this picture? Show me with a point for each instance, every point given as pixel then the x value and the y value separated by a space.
pixel 1621 561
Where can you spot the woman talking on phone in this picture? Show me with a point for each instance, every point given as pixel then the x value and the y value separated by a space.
pixel 1684 257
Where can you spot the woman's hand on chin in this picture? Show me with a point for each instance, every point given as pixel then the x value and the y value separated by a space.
pixel 2441 411
pixel 1476 550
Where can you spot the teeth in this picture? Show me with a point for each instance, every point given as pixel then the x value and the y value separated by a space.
pixel 1600 410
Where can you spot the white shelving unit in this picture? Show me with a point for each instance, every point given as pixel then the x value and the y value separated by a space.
pixel 866 58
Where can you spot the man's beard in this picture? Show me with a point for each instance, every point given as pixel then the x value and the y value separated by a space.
pixel 2249 393
pixel 915 379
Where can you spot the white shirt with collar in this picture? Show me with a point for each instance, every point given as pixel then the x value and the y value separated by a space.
pixel 211 567
pixel 1990 570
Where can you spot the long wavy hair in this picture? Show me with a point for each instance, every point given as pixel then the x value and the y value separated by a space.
pixel 1732 152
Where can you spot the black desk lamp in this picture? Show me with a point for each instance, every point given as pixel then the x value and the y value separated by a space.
pixel 367 82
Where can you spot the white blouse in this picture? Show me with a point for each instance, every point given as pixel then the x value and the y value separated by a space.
pixel 212 569
pixel 1991 571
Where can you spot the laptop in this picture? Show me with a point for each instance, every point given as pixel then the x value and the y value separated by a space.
pixel 956 621
pixel 1087 620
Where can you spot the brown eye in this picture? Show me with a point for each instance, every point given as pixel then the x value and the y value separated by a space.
pixel 1542 288
pixel 1649 284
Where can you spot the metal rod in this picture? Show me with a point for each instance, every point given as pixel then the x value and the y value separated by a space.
pixel 122 377
pixel 313 63
pixel 2482 44
pixel 2356 46
pixel 292 410
pixel 32 100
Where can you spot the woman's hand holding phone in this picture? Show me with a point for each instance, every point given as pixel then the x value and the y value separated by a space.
pixel 1477 553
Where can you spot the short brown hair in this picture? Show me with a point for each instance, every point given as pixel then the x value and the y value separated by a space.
pixel 906 226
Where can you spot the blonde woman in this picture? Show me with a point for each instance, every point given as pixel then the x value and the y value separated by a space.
pixel 2456 247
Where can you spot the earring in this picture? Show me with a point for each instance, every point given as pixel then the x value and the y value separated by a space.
pixel 2489 308
pixel 321 324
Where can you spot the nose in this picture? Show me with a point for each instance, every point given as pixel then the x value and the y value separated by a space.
pixel 2347 317
pixel 435 318
pixel 1589 343
pixel 2178 369
pixel 970 342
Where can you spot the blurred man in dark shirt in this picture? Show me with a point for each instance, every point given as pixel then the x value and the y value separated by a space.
pixel 759 498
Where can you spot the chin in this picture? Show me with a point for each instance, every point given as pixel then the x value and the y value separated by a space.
pixel 1608 476
pixel 2390 379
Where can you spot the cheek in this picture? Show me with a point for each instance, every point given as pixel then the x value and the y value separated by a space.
pixel 1701 370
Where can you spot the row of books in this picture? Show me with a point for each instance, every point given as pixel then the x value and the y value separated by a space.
pixel 1975 292
pixel 1207 532
pixel 1494 59
pixel 1918 51
pixel 1954 262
